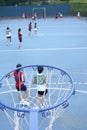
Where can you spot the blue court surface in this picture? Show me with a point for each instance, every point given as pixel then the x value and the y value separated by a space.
pixel 59 42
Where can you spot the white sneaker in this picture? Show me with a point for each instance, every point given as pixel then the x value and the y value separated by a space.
pixel 21 102
pixel 36 107
pixel 42 106
pixel 24 102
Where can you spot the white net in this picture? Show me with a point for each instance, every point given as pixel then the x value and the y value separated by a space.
pixel 59 90
pixel 40 12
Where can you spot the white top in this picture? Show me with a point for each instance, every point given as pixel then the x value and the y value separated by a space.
pixel 41 86
pixel 78 14
pixel 8 33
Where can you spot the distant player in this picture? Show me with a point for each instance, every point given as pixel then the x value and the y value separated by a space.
pixel 60 15
pixel 78 15
pixel 35 27
pixel 20 37
pixel 56 16
pixel 24 15
pixel 8 35
pixel 30 28
pixel 34 17
pixel 43 15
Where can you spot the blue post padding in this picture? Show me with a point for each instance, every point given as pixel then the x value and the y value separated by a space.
pixel 33 120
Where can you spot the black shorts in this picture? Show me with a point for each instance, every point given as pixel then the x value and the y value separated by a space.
pixel 20 39
pixel 23 88
pixel 8 37
pixel 40 93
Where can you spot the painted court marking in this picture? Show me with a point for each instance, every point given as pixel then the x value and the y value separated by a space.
pixel 44 49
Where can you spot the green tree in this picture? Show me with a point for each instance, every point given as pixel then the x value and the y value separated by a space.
pixel 2 2
pixel 10 2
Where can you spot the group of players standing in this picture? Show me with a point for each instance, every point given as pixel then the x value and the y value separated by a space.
pixel 9 36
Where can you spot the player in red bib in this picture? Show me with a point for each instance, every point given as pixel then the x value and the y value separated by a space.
pixel 30 28
pixel 19 82
pixel 20 37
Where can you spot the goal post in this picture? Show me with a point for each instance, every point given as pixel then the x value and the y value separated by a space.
pixel 36 116
pixel 41 12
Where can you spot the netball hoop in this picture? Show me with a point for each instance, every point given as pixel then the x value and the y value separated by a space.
pixel 60 89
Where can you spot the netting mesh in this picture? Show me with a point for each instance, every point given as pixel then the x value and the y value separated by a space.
pixel 59 90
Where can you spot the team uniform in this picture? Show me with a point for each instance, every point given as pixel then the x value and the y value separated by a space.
pixel 20 36
pixel 18 79
pixel 35 28
pixel 30 27
pixel 8 35
pixel 40 81
pixel 20 86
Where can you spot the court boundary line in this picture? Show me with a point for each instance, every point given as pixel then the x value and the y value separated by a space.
pixel 43 49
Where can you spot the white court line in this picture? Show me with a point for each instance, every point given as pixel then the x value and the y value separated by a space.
pixel 44 49
pixel 81 91
pixel 77 90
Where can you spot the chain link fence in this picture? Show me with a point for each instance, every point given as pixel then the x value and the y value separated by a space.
pixel 78 7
